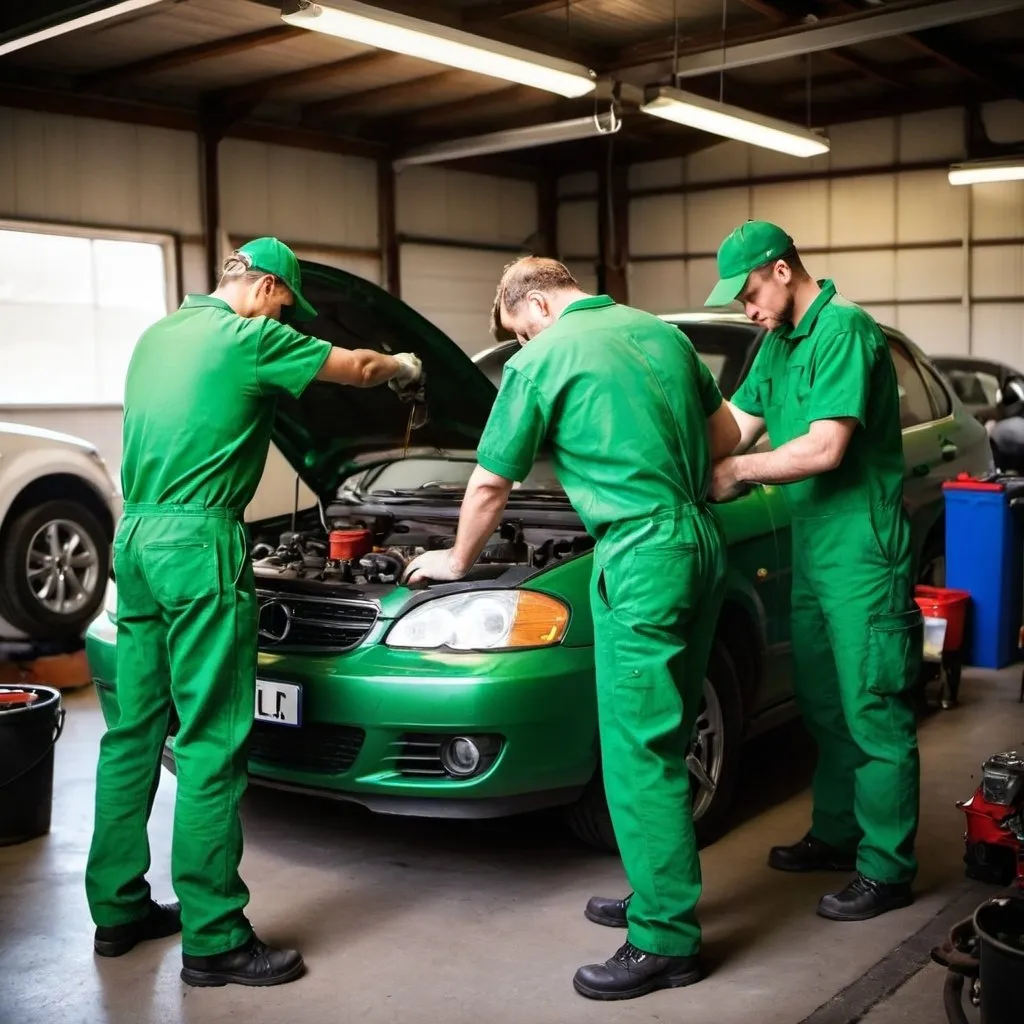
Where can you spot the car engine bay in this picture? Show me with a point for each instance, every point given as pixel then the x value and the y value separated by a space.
pixel 370 543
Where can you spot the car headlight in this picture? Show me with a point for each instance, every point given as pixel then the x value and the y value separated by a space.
pixel 487 620
pixel 110 601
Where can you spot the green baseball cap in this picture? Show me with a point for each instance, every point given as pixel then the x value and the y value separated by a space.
pixel 272 256
pixel 748 247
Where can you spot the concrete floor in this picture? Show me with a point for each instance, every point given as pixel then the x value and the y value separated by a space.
pixel 404 920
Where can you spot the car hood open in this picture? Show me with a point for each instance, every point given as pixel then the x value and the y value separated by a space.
pixel 325 431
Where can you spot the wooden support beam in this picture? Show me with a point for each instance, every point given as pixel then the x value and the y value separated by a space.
pixel 188 55
pixel 547 215
pixel 868 68
pixel 390 270
pixel 514 96
pixel 363 101
pixel 251 94
pixel 210 155
pixel 949 48
pixel 613 226
pixel 766 10
pixel 489 13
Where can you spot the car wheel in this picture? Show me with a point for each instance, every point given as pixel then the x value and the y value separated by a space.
pixel 932 570
pixel 713 760
pixel 54 566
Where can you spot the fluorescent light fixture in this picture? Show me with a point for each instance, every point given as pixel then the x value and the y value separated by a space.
pixel 511 139
pixel 975 172
pixel 103 14
pixel 734 122
pixel 387 30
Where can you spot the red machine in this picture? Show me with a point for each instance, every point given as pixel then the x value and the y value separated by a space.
pixel 995 822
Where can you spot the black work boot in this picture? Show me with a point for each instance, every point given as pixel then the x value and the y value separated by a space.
pixel 609 912
pixel 865 898
pixel 254 963
pixel 631 972
pixel 811 854
pixel 161 920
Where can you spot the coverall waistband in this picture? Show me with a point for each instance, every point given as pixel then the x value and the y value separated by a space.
pixel 195 511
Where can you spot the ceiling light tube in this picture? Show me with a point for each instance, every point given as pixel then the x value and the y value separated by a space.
pixel 733 122
pixel 512 139
pixel 387 30
pixel 83 21
pixel 976 172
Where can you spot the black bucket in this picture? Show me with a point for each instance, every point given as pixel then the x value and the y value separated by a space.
pixel 999 924
pixel 28 735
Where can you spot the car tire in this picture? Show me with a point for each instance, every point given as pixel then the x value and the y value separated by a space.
pixel 719 754
pixel 71 527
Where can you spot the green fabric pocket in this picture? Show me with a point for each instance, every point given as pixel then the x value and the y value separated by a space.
pixel 895 645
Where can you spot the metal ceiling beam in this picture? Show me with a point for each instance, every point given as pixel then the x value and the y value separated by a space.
pixel 364 100
pixel 829 34
pixel 189 55
pixel 765 9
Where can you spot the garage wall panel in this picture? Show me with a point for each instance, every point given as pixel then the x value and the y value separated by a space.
pixel 931 135
pixel 660 286
pixel 574 184
pixel 710 216
pixel 860 276
pixel 766 163
pixel 84 171
pixel 585 273
pixel 577 228
pixel 862 211
pixel 657 224
pixel 298 195
pixel 929 274
pixel 998 332
pixel 454 289
pixel 803 208
pixel 724 161
pixel 997 209
pixel 940 329
pixel 701 277
pixel 863 143
pixel 658 173
pixel 928 209
pixel 998 272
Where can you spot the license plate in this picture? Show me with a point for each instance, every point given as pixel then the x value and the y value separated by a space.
pixel 280 703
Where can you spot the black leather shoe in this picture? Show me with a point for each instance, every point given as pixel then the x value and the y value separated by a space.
pixel 611 913
pixel 811 854
pixel 160 921
pixel 865 898
pixel 252 964
pixel 631 972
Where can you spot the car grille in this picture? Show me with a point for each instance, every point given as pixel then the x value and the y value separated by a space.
pixel 300 622
pixel 317 747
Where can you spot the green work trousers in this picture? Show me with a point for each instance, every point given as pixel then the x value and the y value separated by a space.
pixel 186 640
pixel 657 591
pixel 857 641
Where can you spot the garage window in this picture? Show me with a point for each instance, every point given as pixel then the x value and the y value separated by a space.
pixel 72 306
pixel 915 403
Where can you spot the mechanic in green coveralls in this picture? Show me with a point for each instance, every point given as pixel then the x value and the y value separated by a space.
pixel 824 386
pixel 633 419
pixel 199 407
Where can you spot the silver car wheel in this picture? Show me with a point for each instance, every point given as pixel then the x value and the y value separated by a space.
pixel 707 752
pixel 62 566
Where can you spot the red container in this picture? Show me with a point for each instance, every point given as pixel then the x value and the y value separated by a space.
pixel 347 545
pixel 944 603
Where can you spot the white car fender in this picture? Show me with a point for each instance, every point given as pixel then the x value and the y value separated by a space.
pixel 21 466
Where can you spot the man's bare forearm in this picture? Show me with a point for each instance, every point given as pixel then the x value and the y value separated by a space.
pixel 798 459
pixel 359 367
pixel 486 496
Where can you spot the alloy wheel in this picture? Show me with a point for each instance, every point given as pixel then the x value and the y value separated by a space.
pixel 62 566
pixel 707 751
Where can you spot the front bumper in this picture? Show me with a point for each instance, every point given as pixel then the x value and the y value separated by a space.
pixel 362 709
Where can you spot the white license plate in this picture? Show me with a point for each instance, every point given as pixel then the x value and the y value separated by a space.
pixel 280 703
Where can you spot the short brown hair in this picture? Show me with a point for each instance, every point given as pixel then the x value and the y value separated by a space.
pixel 527 274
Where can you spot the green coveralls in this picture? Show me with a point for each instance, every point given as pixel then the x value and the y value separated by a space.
pixel 199 407
pixel 621 399
pixel 856 632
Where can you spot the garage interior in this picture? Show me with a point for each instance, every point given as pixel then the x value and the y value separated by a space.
pixel 186 127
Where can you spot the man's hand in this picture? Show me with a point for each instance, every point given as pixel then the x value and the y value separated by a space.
pixel 432 565
pixel 408 382
pixel 725 481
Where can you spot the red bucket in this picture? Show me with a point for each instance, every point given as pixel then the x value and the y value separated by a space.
pixel 944 603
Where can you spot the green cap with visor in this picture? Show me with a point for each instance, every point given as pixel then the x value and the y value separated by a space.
pixel 272 256
pixel 750 246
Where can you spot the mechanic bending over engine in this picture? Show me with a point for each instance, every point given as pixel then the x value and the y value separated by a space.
pixel 633 419
pixel 824 385
pixel 198 411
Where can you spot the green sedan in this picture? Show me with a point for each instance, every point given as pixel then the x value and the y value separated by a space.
pixel 476 698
